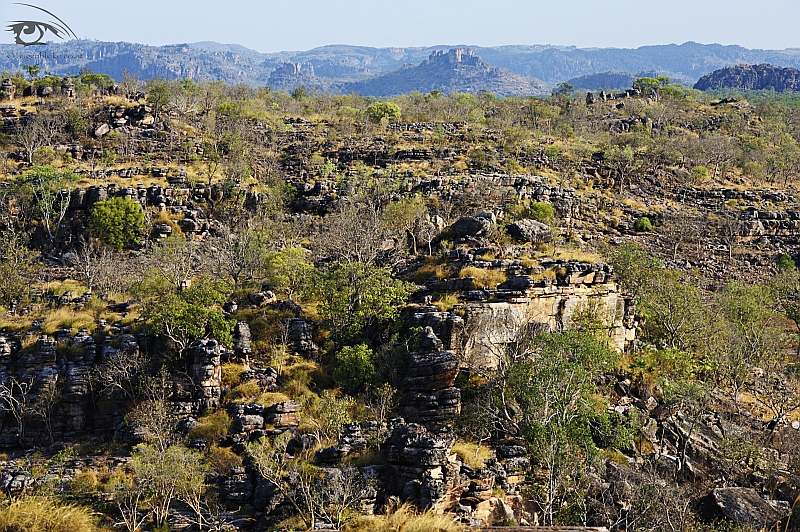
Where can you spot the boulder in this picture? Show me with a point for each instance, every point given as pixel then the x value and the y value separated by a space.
pixel 471 226
pixel 102 130
pixel 530 231
pixel 745 507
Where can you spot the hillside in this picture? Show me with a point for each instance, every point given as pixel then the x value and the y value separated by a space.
pixel 751 77
pixel 245 311
pixel 336 65
pixel 458 70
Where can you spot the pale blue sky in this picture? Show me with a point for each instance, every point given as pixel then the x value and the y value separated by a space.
pixel 270 26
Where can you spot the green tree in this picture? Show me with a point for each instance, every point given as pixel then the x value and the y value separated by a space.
pixel 118 222
pixel 355 368
pixel 551 397
pixel 356 297
pixel 165 476
pixel 380 110
pixel 289 271
pixel 17 269
pixel 190 315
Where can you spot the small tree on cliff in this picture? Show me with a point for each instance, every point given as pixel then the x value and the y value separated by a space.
pixel 117 222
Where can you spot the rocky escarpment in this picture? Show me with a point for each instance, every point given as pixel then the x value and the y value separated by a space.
pixel 458 70
pixel 751 77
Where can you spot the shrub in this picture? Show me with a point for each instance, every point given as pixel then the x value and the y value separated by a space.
pixel 643 225
pixel 699 174
pixel 380 110
pixel 117 222
pixel 786 262
pixel 355 368
pixel 542 212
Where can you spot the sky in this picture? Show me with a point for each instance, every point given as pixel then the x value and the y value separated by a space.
pixel 272 26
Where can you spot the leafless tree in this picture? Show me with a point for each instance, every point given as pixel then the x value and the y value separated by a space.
pixel 15 395
pixel 730 229
pixel 47 399
pixel 355 233
pixel 39 130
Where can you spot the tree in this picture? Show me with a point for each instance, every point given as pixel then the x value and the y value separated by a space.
pixel 17 269
pixel 355 368
pixel 291 476
pixel 159 94
pixel 289 271
pixel 622 160
pixel 406 215
pixel 238 256
pixel 190 315
pixel 51 190
pixel 39 130
pixel 378 111
pixel 118 222
pixel 167 475
pixel 357 297
pixel 549 396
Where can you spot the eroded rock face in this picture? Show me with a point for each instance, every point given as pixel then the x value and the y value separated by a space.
pixel 430 396
pixel 207 374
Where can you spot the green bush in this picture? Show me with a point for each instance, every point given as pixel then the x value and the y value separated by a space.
pixel 786 262
pixel 643 225
pixel 355 368
pixel 542 212
pixel 699 174
pixel 380 110
pixel 117 222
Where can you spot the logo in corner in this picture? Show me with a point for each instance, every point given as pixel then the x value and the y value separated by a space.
pixel 32 32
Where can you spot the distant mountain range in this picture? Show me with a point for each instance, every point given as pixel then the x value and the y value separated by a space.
pixel 382 71
pixel 751 77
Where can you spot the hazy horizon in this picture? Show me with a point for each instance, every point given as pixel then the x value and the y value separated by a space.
pixel 276 26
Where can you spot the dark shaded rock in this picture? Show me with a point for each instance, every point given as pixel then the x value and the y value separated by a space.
pixel 530 231
pixel 745 507
pixel 412 445
pixel 471 226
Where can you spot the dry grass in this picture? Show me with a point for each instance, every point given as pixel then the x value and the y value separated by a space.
pixel 490 278
pixel 578 255
pixel 271 398
pixel 445 302
pixel 39 514
pixel 212 428
pixel 247 391
pixel 404 519
pixel 64 318
pixel 231 373
pixel 222 459
pixel 471 454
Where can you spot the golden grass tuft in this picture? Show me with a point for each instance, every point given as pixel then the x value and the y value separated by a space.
pixel 212 427
pixel 40 514
pixel 270 398
pixel 404 518
pixel 490 278
pixel 63 318
pixel 471 454
pixel 445 302
pixel 222 460
pixel 231 373
pixel 247 391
